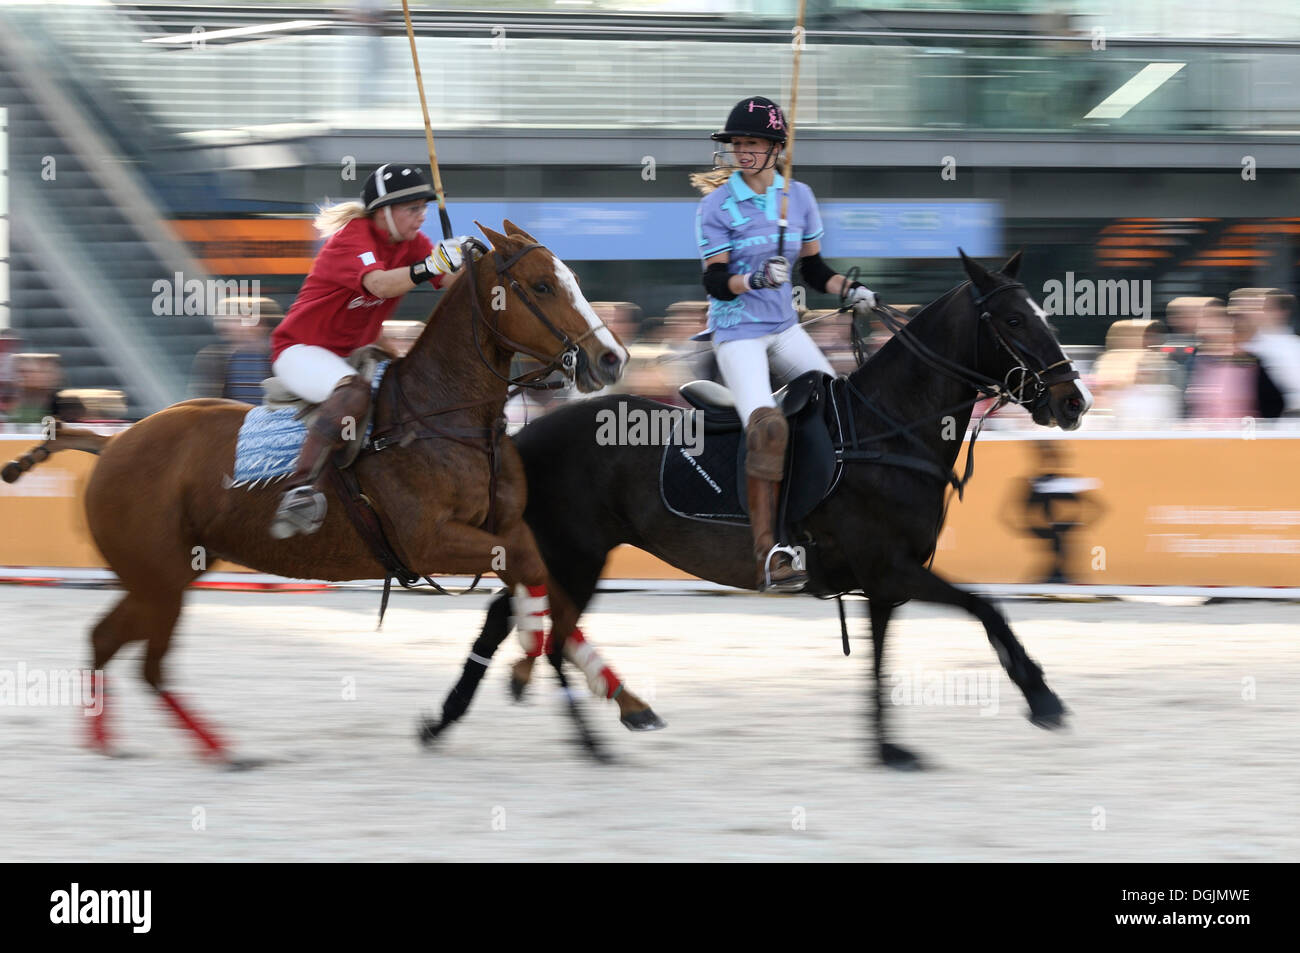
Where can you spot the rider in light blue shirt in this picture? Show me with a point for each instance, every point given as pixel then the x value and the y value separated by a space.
pixel 752 319
pixel 737 220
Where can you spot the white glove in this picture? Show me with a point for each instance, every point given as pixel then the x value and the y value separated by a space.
pixel 447 258
pixel 770 274
pixel 860 296
pixel 447 255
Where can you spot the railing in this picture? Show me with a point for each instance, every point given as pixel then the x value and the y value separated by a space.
pixel 219 88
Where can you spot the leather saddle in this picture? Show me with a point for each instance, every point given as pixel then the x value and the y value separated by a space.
pixel 811 472
pixel 366 361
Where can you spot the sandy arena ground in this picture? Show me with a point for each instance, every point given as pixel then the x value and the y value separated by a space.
pixel 1182 743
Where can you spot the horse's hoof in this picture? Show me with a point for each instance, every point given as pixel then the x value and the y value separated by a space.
pixel 517 688
pixel 1046 710
pixel 645 720
pixel 428 731
pixel 900 759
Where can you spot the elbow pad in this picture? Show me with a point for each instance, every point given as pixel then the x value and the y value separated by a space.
pixel 816 273
pixel 715 281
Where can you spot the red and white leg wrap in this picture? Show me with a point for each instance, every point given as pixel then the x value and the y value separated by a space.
pixel 94 710
pixel 600 677
pixel 530 611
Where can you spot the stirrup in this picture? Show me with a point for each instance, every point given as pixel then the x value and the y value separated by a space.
pixel 301 511
pixel 795 583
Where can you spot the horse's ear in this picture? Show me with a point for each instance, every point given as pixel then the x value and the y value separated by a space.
pixel 977 273
pixel 513 229
pixel 1012 267
pixel 498 240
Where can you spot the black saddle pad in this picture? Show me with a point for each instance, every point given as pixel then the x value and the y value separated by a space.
pixel 711 485
pixel 704 487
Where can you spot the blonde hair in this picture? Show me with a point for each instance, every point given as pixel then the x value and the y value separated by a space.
pixel 706 182
pixel 331 218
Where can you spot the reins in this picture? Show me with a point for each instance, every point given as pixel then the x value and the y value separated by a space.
pixel 408 423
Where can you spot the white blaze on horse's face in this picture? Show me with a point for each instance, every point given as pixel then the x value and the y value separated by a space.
pixel 565 277
pixel 1038 310
pixel 1083 388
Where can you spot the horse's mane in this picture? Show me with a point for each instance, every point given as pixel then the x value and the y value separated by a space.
pixel 449 292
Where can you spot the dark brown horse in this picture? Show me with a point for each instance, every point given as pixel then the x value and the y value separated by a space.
pixel 160 509
pixel 907 411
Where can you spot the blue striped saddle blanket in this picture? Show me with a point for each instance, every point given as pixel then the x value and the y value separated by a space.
pixel 269 441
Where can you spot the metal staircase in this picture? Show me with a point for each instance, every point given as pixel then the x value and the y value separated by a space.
pixel 90 241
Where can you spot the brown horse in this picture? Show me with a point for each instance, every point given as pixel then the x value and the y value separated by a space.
pixel 160 507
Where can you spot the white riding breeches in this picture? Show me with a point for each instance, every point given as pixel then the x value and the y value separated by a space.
pixel 311 372
pixel 745 366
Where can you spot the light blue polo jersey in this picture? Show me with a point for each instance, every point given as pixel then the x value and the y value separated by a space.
pixel 735 219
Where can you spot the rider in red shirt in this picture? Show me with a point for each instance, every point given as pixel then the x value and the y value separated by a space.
pixel 375 254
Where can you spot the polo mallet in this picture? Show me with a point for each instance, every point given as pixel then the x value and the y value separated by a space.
pixel 789 124
pixel 428 128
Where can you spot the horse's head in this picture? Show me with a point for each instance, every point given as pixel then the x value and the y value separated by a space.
pixel 1028 360
pixel 538 310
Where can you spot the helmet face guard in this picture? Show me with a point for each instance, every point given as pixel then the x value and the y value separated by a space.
pixel 726 159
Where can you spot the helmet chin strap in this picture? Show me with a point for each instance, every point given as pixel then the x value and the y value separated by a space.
pixel 392 227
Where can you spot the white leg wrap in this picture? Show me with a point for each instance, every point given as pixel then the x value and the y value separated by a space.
pixel 529 620
pixel 600 678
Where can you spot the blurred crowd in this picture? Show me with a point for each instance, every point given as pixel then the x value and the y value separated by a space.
pixel 1208 360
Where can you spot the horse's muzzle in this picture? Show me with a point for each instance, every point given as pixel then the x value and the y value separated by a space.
pixel 604 370
pixel 1065 405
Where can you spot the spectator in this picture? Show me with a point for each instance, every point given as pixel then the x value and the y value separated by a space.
pixel 10 343
pixel 39 376
pixel 1134 377
pixel 236 367
pixel 1222 382
pixel 400 336
pixel 1152 399
pixel 1277 349
pixel 1182 317
pixel 830 332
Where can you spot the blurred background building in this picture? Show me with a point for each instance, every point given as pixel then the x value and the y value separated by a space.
pixel 151 145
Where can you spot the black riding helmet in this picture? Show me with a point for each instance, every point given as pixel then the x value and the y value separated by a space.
pixel 392 184
pixel 755 116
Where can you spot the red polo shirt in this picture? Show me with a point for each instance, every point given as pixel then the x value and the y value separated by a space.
pixel 333 310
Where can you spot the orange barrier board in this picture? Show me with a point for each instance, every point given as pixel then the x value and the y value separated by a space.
pixel 1109 510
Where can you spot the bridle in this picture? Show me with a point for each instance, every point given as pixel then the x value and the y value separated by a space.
pixel 1022 384
pixel 408 423
pixel 565 360
pixel 1042 379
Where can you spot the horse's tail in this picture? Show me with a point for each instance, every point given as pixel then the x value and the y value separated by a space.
pixel 65 438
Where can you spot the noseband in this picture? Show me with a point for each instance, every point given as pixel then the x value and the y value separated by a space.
pixel 564 360
pixel 1021 378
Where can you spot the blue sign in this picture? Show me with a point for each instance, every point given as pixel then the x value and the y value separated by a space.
pixel 911 229
pixel 658 231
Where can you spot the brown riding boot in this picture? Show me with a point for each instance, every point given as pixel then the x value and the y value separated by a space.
pixel 766 436
pixel 302 507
